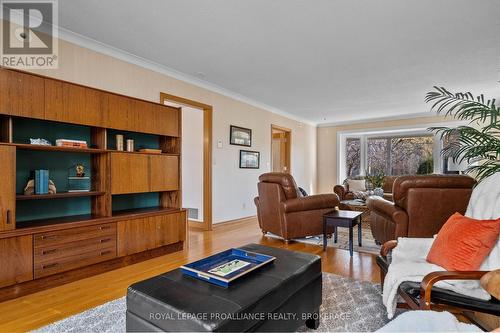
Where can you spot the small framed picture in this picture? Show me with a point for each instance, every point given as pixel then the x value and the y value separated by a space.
pixel 249 159
pixel 240 136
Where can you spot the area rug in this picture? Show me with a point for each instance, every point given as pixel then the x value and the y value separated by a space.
pixel 368 242
pixel 348 306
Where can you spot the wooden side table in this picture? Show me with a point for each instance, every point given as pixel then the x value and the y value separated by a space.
pixel 342 218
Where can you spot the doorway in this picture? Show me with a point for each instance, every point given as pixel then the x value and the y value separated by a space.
pixel 281 145
pixel 202 216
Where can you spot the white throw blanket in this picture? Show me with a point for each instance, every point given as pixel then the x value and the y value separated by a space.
pixel 427 321
pixel 409 257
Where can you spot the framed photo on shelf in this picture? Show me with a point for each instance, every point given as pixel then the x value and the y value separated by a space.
pixel 249 159
pixel 240 136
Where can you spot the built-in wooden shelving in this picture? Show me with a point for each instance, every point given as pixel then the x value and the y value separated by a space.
pixel 34 106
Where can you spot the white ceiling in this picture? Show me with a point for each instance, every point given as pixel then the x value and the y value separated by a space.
pixel 327 61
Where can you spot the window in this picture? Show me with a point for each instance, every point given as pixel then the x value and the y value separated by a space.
pixel 393 154
pixel 396 156
pixel 353 157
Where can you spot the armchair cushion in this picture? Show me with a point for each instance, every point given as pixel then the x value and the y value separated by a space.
pixel 463 243
pixel 356 185
pixel 311 202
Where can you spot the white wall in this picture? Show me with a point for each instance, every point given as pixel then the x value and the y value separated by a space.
pixel 192 159
pixel 233 189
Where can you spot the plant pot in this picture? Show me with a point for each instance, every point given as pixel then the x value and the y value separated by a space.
pixel 378 191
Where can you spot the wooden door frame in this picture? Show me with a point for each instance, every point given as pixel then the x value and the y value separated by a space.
pixel 289 155
pixel 207 155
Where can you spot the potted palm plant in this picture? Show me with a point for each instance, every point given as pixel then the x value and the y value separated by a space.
pixel 477 142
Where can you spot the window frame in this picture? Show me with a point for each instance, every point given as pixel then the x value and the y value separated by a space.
pixel 388 132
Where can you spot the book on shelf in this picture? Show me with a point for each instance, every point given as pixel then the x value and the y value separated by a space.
pixel 71 143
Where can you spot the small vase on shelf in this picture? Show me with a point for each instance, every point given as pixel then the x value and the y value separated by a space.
pixel 378 191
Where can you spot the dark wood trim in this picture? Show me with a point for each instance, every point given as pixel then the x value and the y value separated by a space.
pixel 51 281
pixel 28 146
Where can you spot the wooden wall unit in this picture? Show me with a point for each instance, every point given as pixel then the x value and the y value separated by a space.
pixel 67 247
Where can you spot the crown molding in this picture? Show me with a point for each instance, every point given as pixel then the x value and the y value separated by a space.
pixel 92 44
pixel 378 119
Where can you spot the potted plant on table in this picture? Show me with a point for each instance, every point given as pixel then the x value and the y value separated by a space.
pixel 377 180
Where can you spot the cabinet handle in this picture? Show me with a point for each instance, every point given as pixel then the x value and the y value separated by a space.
pixel 50 265
pixel 103 253
pixel 9 217
pixel 105 240
pixel 49 251
pixel 49 237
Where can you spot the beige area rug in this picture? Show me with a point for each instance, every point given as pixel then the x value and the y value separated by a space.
pixel 367 240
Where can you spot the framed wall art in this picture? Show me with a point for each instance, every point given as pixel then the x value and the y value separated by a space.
pixel 240 136
pixel 249 159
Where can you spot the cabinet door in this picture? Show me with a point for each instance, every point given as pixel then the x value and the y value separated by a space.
pixel 136 236
pixel 16 260
pixel 166 120
pixel 164 173
pixel 168 229
pixel 75 104
pixel 118 112
pixel 21 94
pixel 129 173
pixel 7 188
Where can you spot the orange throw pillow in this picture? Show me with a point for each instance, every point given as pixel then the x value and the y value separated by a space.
pixel 463 243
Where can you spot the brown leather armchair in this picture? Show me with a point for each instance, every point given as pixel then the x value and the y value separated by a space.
pixel 345 193
pixel 284 212
pixel 422 204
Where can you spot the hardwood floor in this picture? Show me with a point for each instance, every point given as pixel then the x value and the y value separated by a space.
pixel 42 308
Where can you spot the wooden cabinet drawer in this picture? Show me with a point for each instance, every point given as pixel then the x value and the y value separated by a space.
pixel 56 251
pixel 58 237
pixel 58 265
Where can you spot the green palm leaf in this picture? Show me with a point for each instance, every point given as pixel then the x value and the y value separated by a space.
pixel 471 144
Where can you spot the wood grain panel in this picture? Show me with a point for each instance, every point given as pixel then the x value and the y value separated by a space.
pixel 21 94
pixel 129 173
pixel 136 236
pixel 164 173
pixel 16 260
pixel 58 251
pixel 118 112
pixel 165 120
pixel 74 104
pixel 78 260
pixel 49 239
pixel 168 229
pixel 7 188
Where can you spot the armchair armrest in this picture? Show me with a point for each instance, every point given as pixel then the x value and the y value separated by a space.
pixel 312 202
pixel 387 209
pixel 434 277
pixel 388 246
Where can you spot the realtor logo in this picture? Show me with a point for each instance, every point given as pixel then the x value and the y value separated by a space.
pixel 29 34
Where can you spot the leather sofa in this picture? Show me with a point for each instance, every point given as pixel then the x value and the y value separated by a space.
pixel 283 211
pixel 345 194
pixel 422 204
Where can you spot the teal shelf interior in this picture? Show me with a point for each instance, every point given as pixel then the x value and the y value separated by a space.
pixel 57 163
pixel 141 140
pixel 24 129
pixel 135 201
pixel 45 209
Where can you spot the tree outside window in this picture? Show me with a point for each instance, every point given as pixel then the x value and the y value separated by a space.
pixel 353 157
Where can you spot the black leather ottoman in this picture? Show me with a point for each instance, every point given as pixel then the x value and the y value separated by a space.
pixel 279 297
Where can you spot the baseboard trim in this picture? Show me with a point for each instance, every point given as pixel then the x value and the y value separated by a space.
pixel 229 222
